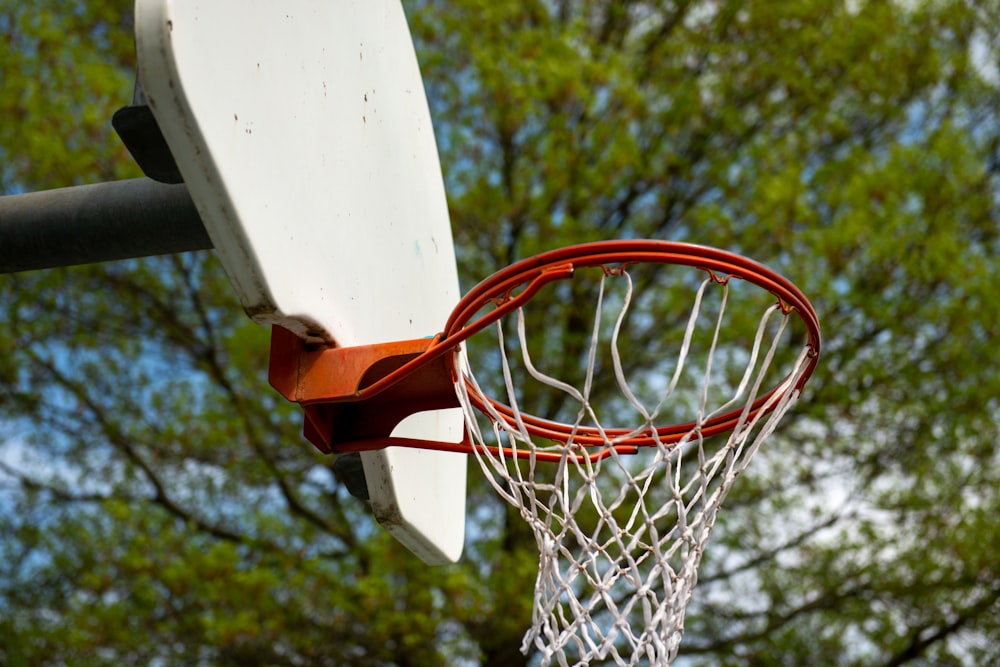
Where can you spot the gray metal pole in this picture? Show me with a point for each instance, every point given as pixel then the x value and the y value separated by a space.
pixel 97 223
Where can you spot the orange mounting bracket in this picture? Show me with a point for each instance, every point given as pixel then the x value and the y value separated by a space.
pixel 351 398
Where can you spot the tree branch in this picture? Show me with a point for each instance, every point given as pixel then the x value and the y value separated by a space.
pixel 920 641
pixel 770 554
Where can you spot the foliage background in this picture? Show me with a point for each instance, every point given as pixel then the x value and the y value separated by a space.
pixel 157 505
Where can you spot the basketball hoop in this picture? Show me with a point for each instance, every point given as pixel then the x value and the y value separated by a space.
pixel 623 475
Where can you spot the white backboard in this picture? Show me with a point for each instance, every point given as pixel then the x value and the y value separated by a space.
pixel 302 131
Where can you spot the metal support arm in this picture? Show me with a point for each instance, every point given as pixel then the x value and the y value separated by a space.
pixel 97 223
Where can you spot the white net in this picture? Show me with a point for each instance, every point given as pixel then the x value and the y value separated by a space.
pixel 621 535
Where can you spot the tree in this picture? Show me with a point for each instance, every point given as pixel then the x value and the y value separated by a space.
pixel 160 504
pixel 852 147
